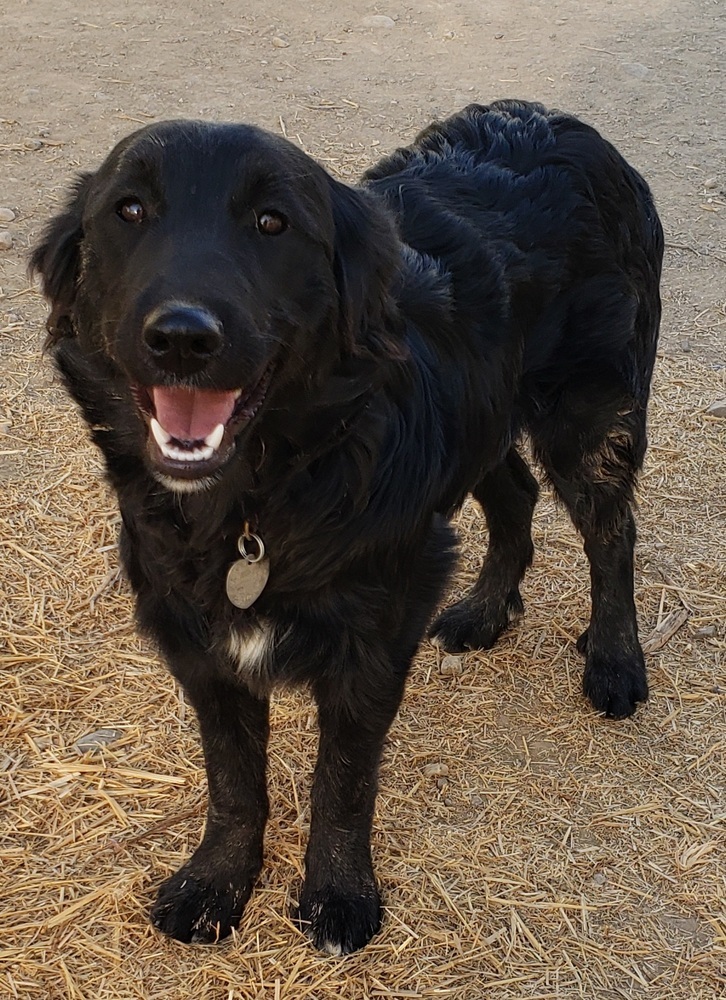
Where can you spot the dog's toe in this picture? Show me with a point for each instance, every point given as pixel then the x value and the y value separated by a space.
pixel 339 923
pixel 475 624
pixel 198 911
pixel 615 682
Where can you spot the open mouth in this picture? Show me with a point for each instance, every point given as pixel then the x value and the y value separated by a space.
pixel 192 431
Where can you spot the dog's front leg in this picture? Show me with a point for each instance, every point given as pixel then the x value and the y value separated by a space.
pixel 340 907
pixel 205 899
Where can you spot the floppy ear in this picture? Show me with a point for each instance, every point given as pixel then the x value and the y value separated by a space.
pixel 57 259
pixel 366 262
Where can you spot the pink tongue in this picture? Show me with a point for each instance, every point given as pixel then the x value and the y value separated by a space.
pixel 192 414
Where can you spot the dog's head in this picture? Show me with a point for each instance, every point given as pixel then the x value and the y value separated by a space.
pixel 218 272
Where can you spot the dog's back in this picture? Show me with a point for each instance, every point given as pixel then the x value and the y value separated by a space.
pixel 544 202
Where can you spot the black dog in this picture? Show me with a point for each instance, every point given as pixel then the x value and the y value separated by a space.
pixel 295 383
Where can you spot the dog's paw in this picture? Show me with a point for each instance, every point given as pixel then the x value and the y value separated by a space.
pixel 475 624
pixel 339 923
pixel 199 910
pixel 614 681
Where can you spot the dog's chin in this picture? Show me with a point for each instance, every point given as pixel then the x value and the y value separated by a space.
pixel 176 485
pixel 193 433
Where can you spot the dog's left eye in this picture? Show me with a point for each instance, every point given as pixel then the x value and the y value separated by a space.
pixel 271 223
pixel 131 210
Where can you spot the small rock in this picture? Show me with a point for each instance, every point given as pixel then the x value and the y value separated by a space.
pixel 448 802
pixel 706 632
pixel 717 409
pixel 451 666
pixel 7 215
pixel 97 739
pixel 637 69
pixel 599 878
pixel 6 240
pixel 32 143
pixel 378 21
pixel 442 783
pixel 686 346
pixel 280 43
pixel 477 801
pixel 711 183
pixel 436 770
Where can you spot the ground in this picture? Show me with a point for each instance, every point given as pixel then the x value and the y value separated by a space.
pixel 526 847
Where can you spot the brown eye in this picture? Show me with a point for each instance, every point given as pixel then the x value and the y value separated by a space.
pixel 131 210
pixel 271 223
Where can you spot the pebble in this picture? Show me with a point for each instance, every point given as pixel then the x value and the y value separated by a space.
pixel 378 21
pixel 436 770
pixel 280 43
pixel 686 346
pixel 6 240
pixel 599 878
pixel 705 633
pixel 717 409
pixel 711 183
pixel 95 740
pixel 7 215
pixel 32 143
pixel 451 666
pixel 637 69
pixel 477 801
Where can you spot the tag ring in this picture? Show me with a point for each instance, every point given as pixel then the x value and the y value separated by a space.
pixel 251 557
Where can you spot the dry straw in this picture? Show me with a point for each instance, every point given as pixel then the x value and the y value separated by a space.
pixel 550 853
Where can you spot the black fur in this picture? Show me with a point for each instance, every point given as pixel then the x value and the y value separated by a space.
pixel 498 277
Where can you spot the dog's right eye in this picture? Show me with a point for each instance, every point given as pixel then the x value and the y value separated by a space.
pixel 131 210
pixel 271 223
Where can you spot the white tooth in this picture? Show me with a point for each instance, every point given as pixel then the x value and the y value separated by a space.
pixel 182 455
pixel 214 438
pixel 159 433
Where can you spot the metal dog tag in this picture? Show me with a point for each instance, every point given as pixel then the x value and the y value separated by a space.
pixel 247 577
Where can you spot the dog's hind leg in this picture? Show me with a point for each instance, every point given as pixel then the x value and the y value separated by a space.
pixel 507 495
pixel 596 481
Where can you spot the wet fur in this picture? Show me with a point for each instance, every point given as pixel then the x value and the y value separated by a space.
pixel 498 277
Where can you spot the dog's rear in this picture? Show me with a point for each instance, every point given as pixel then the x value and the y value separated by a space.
pixel 541 201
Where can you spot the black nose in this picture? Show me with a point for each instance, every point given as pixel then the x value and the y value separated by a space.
pixel 182 339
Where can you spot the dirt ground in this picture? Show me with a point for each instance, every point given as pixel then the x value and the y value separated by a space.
pixel 560 855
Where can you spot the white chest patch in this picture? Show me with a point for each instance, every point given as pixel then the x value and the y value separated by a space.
pixel 249 649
